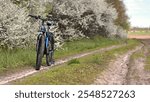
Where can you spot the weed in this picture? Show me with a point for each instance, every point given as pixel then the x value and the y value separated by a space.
pixel 74 61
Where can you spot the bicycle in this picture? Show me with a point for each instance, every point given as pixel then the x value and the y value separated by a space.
pixel 45 42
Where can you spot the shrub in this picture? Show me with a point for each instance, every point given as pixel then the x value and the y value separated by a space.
pixel 80 18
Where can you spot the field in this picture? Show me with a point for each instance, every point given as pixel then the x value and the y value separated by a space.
pixel 139 32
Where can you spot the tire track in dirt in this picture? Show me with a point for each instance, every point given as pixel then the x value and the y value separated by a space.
pixel 137 75
pixel 22 74
pixel 117 70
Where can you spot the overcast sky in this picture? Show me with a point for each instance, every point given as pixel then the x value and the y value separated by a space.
pixel 139 12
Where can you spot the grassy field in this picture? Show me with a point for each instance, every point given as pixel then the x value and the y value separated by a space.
pixel 140 33
pixel 78 71
pixel 18 59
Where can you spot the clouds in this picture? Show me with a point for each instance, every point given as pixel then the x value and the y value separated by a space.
pixel 139 12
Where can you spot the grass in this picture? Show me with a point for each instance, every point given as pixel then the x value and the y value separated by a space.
pixel 73 61
pixel 140 33
pixel 84 45
pixel 147 65
pixel 76 73
pixel 13 59
pixel 140 54
pixel 137 55
pixel 17 59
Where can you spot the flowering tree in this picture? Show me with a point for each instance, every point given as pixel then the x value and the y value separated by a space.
pixel 15 28
pixel 79 18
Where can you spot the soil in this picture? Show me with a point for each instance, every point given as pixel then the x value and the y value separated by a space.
pixel 117 70
pixel 124 71
pixel 137 75
pixel 139 36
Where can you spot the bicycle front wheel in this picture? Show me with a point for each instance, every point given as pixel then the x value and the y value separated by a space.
pixel 40 52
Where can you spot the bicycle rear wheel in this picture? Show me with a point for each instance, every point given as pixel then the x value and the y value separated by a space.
pixel 49 54
pixel 40 52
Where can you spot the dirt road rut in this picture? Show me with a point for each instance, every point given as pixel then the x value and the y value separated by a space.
pixel 117 71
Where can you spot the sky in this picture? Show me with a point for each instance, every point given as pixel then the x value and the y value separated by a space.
pixel 138 12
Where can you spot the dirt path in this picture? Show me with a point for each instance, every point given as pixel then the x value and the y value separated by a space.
pixel 137 75
pixel 134 36
pixel 126 71
pixel 19 75
pixel 117 70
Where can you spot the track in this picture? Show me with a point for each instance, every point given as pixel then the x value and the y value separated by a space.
pixel 25 73
pixel 127 71
pixel 117 70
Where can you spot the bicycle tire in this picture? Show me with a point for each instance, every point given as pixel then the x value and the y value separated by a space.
pixel 49 54
pixel 40 52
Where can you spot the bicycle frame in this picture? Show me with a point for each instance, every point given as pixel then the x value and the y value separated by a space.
pixel 43 31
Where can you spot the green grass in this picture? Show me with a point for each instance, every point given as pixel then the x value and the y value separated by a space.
pixel 137 55
pixel 74 61
pixel 147 65
pixel 140 33
pixel 12 60
pixel 141 54
pixel 84 45
pixel 76 73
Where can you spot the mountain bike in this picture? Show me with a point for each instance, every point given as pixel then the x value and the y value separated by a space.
pixel 45 42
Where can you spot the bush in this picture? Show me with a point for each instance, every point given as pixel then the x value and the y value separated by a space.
pixel 80 18
pixel 77 19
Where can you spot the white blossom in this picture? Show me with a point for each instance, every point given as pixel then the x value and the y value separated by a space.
pixel 77 19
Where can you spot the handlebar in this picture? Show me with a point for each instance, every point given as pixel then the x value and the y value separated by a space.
pixel 44 19
pixel 38 17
